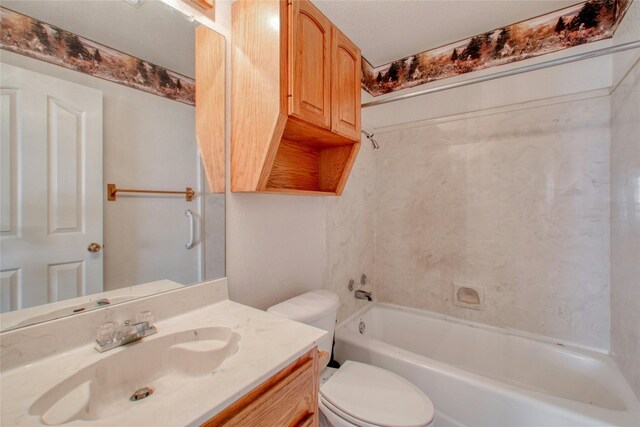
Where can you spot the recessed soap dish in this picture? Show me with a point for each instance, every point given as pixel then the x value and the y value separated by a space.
pixel 468 296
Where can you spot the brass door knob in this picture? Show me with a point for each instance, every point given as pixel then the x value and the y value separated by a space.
pixel 94 247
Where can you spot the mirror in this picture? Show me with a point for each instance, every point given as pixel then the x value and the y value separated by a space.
pixel 98 96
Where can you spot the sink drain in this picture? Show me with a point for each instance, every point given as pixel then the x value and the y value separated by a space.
pixel 141 393
pixel 362 327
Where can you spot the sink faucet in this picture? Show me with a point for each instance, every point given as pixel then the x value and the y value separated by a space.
pixel 359 294
pixel 111 335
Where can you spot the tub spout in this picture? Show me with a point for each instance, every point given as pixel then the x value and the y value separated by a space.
pixel 363 295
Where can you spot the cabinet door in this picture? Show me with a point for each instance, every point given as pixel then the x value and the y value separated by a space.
pixel 345 86
pixel 289 398
pixel 309 64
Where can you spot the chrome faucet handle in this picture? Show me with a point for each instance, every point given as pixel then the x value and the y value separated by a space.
pixel 352 283
pixel 106 333
pixel 363 279
pixel 110 336
pixel 144 316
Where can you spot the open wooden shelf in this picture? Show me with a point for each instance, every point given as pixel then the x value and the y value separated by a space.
pixel 311 168
pixel 295 121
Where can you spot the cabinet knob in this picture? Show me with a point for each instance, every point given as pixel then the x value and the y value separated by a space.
pixel 94 247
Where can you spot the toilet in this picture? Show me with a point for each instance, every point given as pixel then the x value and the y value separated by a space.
pixel 356 394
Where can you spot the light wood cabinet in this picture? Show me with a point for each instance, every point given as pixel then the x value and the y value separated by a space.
pixel 295 121
pixel 210 104
pixel 289 398
pixel 310 64
pixel 345 86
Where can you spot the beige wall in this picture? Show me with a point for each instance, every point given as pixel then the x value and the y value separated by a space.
pixel 514 200
pixel 275 247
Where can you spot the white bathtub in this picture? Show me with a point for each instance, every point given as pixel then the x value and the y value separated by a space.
pixel 482 376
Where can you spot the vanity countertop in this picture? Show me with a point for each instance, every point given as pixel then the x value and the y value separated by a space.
pixel 267 344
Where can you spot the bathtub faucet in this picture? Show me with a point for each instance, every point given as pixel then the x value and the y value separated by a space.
pixel 364 295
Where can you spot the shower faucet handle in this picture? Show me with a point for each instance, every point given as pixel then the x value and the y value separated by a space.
pixel 364 280
pixel 352 283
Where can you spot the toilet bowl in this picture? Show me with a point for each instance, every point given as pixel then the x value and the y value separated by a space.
pixel 356 394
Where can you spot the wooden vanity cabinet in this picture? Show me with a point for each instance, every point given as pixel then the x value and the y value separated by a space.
pixel 289 398
pixel 295 107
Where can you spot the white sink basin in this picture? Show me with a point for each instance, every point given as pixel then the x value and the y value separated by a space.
pixel 164 364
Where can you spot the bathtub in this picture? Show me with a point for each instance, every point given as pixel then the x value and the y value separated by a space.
pixel 478 375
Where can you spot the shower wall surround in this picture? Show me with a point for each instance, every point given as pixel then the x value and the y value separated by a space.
pixel 625 227
pixel 625 202
pixel 350 234
pixel 514 200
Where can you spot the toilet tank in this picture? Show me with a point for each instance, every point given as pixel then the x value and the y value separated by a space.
pixel 316 308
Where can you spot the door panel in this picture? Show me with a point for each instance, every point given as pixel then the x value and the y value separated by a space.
pixel 10 119
pixel 66 143
pixel 10 289
pixel 310 72
pixel 67 280
pixel 345 90
pixel 51 189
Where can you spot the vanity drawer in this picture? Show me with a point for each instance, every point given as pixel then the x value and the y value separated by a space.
pixel 289 398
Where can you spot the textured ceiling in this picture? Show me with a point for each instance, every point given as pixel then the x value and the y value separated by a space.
pixel 386 30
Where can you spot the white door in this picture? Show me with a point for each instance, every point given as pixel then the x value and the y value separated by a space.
pixel 50 188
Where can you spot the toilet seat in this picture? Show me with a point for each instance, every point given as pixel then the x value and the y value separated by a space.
pixel 370 396
pixel 336 418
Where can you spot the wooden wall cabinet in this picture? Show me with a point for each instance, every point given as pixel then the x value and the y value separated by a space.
pixel 295 108
pixel 345 86
pixel 289 398
pixel 310 63
pixel 210 105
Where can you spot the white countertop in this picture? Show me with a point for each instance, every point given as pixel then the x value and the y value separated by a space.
pixel 267 344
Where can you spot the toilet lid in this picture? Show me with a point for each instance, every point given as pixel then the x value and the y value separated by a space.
pixel 377 396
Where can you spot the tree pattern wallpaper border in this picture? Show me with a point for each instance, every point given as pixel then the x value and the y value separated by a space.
pixel 584 22
pixel 36 39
